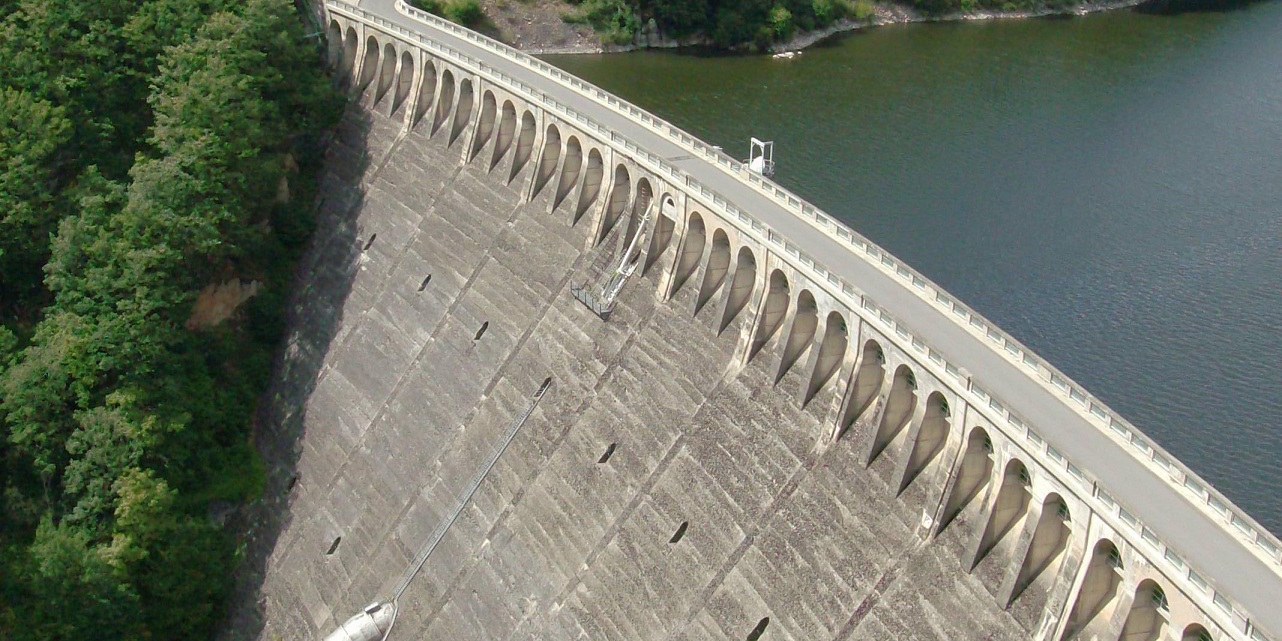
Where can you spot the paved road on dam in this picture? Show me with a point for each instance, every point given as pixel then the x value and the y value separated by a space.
pixel 1204 542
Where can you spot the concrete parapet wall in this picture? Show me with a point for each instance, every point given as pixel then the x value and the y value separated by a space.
pixel 966 491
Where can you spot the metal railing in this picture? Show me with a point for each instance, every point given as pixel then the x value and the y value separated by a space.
pixel 1177 475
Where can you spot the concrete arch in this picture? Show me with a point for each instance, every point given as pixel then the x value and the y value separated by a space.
pixel 802 333
pixel 976 469
pixel 548 159
pixel 866 381
pixel 1097 596
pixel 664 224
pixel 1046 550
pixel 1147 620
pixel 640 205
pixel 463 113
pixel 714 275
pixel 444 102
pixel 691 250
pixel 1196 632
pixel 832 350
pixel 369 67
pixel 386 72
pixel 931 437
pixel 569 171
pixel 426 91
pixel 619 196
pixel 507 129
pixel 899 410
pixel 334 44
pixel 484 124
pixel 351 47
pixel 404 81
pixel 741 286
pixel 773 310
pixel 1009 509
pixel 591 188
pixel 524 145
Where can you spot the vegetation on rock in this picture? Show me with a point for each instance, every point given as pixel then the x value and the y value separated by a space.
pixel 141 148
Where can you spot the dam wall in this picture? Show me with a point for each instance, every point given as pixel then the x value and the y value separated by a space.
pixel 748 446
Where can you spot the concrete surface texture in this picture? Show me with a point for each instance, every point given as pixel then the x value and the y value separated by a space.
pixel 388 403
pixel 735 454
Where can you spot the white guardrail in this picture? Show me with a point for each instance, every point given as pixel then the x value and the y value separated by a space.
pixel 1199 492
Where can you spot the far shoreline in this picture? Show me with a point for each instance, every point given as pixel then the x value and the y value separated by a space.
pixel 884 16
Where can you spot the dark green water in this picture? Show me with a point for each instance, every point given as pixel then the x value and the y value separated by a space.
pixel 1106 188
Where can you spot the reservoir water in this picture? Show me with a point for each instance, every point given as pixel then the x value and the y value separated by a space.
pixel 1107 188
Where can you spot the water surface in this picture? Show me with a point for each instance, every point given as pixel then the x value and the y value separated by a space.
pixel 1107 188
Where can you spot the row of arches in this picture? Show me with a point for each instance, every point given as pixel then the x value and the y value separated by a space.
pixel 1032 533
pixel 731 276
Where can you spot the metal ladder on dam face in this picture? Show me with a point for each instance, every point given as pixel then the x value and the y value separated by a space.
pixel 605 277
pixel 375 621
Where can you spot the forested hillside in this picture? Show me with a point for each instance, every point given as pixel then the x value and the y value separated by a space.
pixel 147 150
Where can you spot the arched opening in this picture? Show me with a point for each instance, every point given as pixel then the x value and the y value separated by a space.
pixel 745 278
pixel 444 102
pixel 350 46
pixel 802 333
pixel 1046 550
pixel 548 159
pixel 369 68
pixel 1147 619
pixel 691 250
pixel 868 375
pixel 1098 594
pixel 930 440
pixel 591 184
pixel 620 194
pixel 485 124
pixel 976 469
pixel 404 82
pixel 759 630
pixel 899 410
pixel 831 352
pixel 464 111
pixel 387 71
pixel 715 274
pixel 664 224
pixel 569 171
pixel 640 205
pixel 334 45
pixel 1009 510
pixel 426 91
pixel 1196 632
pixel 773 312
pixel 524 145
pixel 507 129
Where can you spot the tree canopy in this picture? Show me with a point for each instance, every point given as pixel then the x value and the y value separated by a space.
pixel 142 146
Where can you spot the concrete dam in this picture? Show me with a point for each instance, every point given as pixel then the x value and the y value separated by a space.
pixel 778 430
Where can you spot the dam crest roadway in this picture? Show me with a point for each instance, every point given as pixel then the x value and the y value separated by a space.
pixel 782 431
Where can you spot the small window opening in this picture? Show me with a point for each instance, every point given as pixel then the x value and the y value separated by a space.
pixel 1203 635
pixel 547 382
pixel 422 286
pixel 759 630
pixel 609 451
pixel 1023 476
pixel 481 332
pixel 1159 600
pixel 1063 511
pixel 293 480
pixel 334 546
pixel 681 532
pixel 988 445
pixel 1115 558
pixel 369 243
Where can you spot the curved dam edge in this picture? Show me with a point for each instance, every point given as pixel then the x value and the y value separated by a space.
pixel 1199 534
